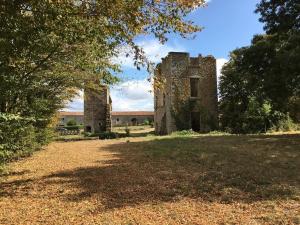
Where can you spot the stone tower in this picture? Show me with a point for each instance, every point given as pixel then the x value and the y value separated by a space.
pixel 185 94
pixel 97 110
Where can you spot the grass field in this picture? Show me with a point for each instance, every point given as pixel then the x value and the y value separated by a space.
pixel 157 180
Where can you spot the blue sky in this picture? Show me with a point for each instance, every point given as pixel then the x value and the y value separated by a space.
pixel 227 25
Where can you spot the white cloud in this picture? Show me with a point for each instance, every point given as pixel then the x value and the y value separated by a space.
pixel 76 104
pixel 153 49
pixel 135 95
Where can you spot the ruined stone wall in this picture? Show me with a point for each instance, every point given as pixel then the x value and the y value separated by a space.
pixel 97 110
pixel 175 107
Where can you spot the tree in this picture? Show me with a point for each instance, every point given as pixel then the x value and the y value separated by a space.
pixel 51 48
pixel 60 44
pixel 266 72
pixel 279 16
pixel 72 122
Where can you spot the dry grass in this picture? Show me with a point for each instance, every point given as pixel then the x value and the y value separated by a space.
pixel 135 131
pixel 166 180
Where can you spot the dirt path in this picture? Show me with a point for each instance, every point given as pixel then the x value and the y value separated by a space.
pixel 89 182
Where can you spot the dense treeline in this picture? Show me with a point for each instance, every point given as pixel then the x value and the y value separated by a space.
pixel 51 48
pixel 260 86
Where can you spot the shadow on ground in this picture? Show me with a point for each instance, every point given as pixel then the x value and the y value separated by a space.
pixel 216 169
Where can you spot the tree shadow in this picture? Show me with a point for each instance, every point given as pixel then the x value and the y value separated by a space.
pixel 215 169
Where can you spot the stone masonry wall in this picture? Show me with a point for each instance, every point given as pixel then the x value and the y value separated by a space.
pixel 97 110
pixel 175 108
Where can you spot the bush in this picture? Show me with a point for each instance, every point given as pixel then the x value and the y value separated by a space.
pixel 44 136
pixel 285 123
pixel 72 122
pixel 185 133
pixel 127 131
pixel 107 135
pixel 102 135
pixel 256 117
pixel 146 122
pixel 74 127
pixel 87 134
pixel 17 137
pixel 20 136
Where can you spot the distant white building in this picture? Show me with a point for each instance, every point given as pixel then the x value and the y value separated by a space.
pixel 64 117
pixel 118 118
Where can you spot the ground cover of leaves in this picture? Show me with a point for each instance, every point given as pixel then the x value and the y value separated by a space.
pixel 157 180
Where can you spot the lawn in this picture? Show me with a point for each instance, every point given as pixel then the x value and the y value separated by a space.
pixel 157 180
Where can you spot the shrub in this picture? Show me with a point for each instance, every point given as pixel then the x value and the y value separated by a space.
pixel 87 134
pixel 257 117
pixel 74 127
pixel 18 137
pixel 146 122
pixel 152 124
pixel 44 136
pixel 72 122
pixel 285 123
pixel 107 135
pixel 185 133
pixel 127 131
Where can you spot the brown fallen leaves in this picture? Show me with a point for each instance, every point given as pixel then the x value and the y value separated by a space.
pixel 170 180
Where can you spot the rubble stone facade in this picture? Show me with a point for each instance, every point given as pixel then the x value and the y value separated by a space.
pixel 185 94
pixel 97 110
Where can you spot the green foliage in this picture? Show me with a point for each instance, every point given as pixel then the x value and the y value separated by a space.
pixel 44 136
pixel 256 117
pixel 101 135
pixel 72 122
pixel 262 81
pixel 185 133
pixel 88 134
pixel 285 123
pixel 51 49
pixel 181 114
pixel 127 131
pixel 19 136
pixel 75 127
pixel 279 16
pixel 146 122
pixel 107 135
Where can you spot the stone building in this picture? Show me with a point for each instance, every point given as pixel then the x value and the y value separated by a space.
pixel 65 117
pixel 128 118
pixel 132 118
pixel 97 110
pixel 185 91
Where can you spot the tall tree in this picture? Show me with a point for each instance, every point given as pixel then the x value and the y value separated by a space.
pixel 267 71
pixel 51 48
pixel 279 16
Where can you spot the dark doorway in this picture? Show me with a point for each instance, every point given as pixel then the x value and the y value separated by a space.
pixel 195 119
pixel 194 83
pixel 134 121
pixel 88 129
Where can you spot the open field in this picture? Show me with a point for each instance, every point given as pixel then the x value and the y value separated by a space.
pixel 157 180
pixel 135 131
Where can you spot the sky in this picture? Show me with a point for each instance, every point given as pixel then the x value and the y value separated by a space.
pixel 227 25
